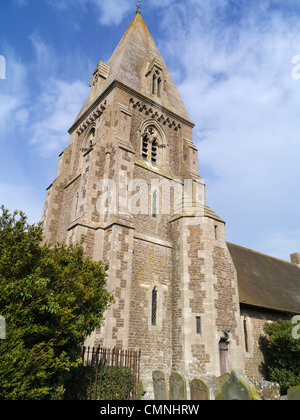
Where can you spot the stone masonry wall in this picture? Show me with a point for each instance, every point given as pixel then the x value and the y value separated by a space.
pixel 151 268
pixel 203 280
pixel 255 321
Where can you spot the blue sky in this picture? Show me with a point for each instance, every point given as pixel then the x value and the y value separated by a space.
pixel 232 63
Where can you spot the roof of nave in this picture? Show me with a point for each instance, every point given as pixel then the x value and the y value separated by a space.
pixel 265 281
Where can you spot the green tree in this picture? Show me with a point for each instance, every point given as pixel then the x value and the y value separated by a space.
pixel 283 354
pixel 52 298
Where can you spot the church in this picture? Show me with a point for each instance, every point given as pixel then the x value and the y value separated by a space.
pixel 128 185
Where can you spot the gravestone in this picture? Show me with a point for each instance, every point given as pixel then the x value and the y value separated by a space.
pixel 268 391
pixel 238 388
pixel 177 387
pixel 293 394
pixel 140 391
pixel 199 390
pixel 160 386
pixel 220 381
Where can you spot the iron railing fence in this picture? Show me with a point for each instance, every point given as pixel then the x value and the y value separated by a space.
pixel 105 374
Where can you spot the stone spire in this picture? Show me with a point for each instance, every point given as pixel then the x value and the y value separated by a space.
pixel 131 63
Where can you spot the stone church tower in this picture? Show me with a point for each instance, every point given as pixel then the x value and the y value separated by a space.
pixel 128 184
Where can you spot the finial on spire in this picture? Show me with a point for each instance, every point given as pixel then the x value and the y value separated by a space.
pixel 138 10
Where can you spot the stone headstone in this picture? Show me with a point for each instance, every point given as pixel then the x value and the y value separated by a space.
pixel 268 391
pixel 221 381
pixel 238 388
pixel 177 387
pixel 140 391
pixel 293 394
pixel 199 390
pixel 160 386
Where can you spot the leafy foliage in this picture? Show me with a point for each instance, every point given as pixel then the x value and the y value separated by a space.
pixel 104 382
pixel 52 298
pixel 283 354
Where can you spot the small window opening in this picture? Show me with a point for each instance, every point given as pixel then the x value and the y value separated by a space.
pixel 76 202
pixel 153 84
pixel 154 307
pixel 154 153
pixel 154 205
pixel 246 335
pixel 92 134
pixel 145 148
pixel 198 325
pixel 89 140
pixel 216 232
pixel 88 143
pixel 159 87
pixel 150 145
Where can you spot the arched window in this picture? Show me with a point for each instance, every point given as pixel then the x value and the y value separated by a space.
pixel 154 307
pixel 155 75
pixel 92 134
pixel 88 143
pixel 151 141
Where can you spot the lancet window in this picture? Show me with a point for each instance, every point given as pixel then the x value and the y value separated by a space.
pixel 150 145
pixel 157 84
pixel 91 136
pixel 159 87
pixel 246 335
pixel 154 307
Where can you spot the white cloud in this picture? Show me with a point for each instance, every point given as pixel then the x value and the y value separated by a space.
pixel 58 101
pixel 47 113
pixel 46 61
pixel 55 112
pixel 110 12
pixel 43 108
pixel 234 73
pixel 14 94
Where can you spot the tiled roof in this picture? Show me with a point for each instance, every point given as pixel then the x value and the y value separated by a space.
pixel 265 281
